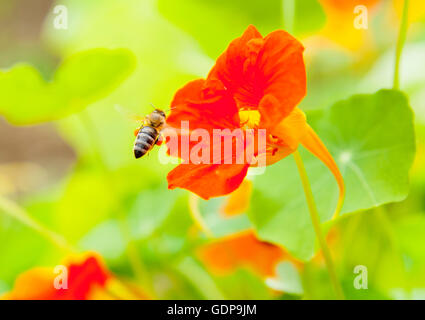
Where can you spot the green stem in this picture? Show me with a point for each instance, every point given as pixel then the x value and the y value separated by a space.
pixel 315 219
pixel 132 253
pixel 15 211
pixel 197 216
pixel 288 8
pixel 400 43
pixel 386 225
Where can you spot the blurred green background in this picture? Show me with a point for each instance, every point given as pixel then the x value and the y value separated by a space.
pixel 69 163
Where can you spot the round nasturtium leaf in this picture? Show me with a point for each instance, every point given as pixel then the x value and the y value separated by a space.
pixel 371 137
pixel 80 80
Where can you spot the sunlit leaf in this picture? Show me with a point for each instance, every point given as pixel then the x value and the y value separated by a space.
pixel 80 80
pixel 371 138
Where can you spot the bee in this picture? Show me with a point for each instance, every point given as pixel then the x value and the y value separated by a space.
pixel 149 133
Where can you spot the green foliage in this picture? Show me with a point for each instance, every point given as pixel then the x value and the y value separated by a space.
pixel 309 17
pixel 372 139
pixel 243 284
pixel 80 80
pixel 107 200
pixel 215 23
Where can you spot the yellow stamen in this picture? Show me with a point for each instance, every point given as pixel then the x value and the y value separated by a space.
pixel 249 119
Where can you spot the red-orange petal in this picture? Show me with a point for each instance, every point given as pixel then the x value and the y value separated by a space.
pixel 207 180
pixel 281 64
pixel 205 104
pixel 253 68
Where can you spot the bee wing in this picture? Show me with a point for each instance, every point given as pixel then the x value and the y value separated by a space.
pixel 128 114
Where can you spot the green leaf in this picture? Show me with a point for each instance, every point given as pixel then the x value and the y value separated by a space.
pixel 150 211
pixel 200 278
pixel 219 224
pixel 371 137
pixel 80 80
pixel 243 284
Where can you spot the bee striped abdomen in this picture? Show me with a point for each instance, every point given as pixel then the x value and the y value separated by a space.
pixel 145 140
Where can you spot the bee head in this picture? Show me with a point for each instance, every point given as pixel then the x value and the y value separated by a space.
pixel 160 112
pixel 157 118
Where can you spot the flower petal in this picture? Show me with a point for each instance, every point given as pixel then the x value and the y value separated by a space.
pixel 230 68
pixel 252 68
pixel 35 284
pixel 286 136
pixel 238 201
pixel 281 65
pixel 313 144
pixel 205 104
pixel 243 250
pixel 85 274
pixel 207 180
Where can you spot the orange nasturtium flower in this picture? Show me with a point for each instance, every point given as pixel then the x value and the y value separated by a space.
pixel 255 84
pixel 87 279
pixel 225 255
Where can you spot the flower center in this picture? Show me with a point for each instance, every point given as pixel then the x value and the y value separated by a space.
pixel 249 119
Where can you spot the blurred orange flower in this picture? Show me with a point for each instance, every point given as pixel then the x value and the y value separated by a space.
pixel 340 23
pixel 85 279
pixel 244 250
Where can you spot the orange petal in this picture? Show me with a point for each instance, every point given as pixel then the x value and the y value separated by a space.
pixel 238 201
pixel 242 250
pixel 85 273
pixel 286 136
pixel 283 71
pixel 313 144
pixel 253 67
pixel 35 284
pixel 211 110
pixel 207 180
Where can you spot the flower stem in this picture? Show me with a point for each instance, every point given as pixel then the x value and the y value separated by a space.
pixel 288 8
pixel 400 43
pixel 315 219
pixel 15 211
pixel 197 216
pixel 131 250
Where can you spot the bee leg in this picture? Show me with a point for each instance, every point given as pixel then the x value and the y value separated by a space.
pixel 159 140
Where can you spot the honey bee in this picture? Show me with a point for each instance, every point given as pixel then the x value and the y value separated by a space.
pixel 149 133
